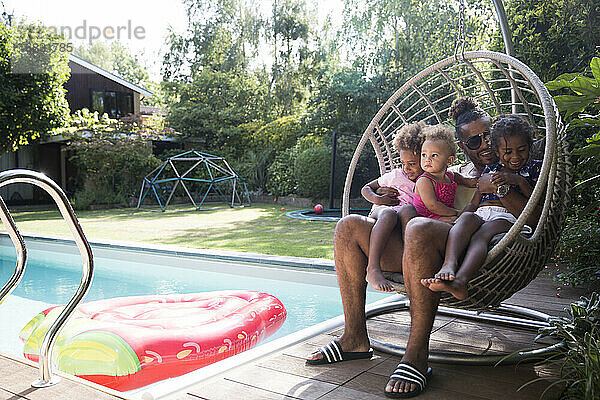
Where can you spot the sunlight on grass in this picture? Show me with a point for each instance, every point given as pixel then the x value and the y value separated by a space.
pixel 262 228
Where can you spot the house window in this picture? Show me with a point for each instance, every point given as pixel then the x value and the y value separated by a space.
pixel 115 104
pixel 124 104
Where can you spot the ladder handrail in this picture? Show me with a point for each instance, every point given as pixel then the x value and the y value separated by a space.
pixel 19 244
pixel 60 198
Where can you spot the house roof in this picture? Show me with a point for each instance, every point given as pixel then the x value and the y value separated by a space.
pixel 106 74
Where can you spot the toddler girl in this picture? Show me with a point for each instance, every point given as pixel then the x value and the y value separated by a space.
pixel 436 187
pixel 390 195
pixel 512 179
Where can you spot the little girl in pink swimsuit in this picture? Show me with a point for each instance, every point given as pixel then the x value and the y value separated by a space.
pixel 436 187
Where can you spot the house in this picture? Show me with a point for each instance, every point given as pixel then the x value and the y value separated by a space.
pixel 96 89
pixel 91 87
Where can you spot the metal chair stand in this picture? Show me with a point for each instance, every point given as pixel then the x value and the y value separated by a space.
pixel 506 315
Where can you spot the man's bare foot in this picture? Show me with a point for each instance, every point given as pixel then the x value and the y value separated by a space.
pixel 456 288
pixel 347 345
pixel 377 280
pixel 447 272
pixel 398 386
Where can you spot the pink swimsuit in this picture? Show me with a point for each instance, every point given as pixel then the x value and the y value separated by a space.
pixel 444 193
pixel 398 180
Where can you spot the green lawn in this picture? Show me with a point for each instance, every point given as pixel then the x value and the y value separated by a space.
pixel 262 228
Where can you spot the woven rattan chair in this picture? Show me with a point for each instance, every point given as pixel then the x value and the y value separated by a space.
pixel 501 84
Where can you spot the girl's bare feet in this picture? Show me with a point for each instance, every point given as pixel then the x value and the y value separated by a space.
pixel 456 287
pixel 376 279
pixel 447 272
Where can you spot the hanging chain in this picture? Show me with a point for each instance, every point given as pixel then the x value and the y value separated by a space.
pixel 461 39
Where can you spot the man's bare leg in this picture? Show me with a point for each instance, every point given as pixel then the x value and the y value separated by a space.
pixel 351 246
pixel 423 256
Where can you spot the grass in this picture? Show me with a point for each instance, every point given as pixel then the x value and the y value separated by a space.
pixel 262 228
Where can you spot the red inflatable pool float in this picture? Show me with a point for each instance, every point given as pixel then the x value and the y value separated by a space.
pixel 129 342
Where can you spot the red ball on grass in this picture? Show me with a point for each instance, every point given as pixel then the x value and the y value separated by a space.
pixel 318 209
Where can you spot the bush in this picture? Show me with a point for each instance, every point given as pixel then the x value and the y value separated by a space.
pixel 280 134
pixel 579 360
pixel 367 167
pixel 312 169
pixel 253 168
pixel 577 97
pixel 281 176
pixel 579 251
pixel 111 157
pixel 282 181
pixel 85 198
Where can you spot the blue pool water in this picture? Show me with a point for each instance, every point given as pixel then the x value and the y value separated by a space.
pixel 52 278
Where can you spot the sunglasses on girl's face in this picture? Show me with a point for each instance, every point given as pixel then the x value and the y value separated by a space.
pixel 474 142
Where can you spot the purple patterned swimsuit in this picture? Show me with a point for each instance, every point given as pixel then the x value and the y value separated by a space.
pixel 530 171
pixel 444 193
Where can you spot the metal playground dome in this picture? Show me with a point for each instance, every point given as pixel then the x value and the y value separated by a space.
pixel 194 175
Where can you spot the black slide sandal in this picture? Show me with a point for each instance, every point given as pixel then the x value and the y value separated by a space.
pixel 406 372
pixel 333 353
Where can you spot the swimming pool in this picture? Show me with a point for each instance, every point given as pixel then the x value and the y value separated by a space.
pixel 307 289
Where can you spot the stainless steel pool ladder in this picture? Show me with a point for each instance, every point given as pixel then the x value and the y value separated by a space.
pixel 42 181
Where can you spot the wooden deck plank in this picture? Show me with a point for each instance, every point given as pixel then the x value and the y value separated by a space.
pixel 479 381
pixel 225 389
pixel 18 382
pixel 482 336
pixel 347 393
pixel 6 395
pixel 487 339
pixel 327 373
pixel 282 383
pixel 374 385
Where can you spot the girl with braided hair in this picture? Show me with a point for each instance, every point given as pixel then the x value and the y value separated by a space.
pixel 485 216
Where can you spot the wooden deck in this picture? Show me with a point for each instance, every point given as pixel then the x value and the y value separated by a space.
pixel 286 376
pixel 16 377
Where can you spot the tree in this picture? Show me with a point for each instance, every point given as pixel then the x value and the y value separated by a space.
pixel 222 92
pixel 398 38
pixel 222 35
pixel 228 35
pixel 33 70
pixel 294 65
pixel 554 36
pixel 212 109
pixel 115 58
